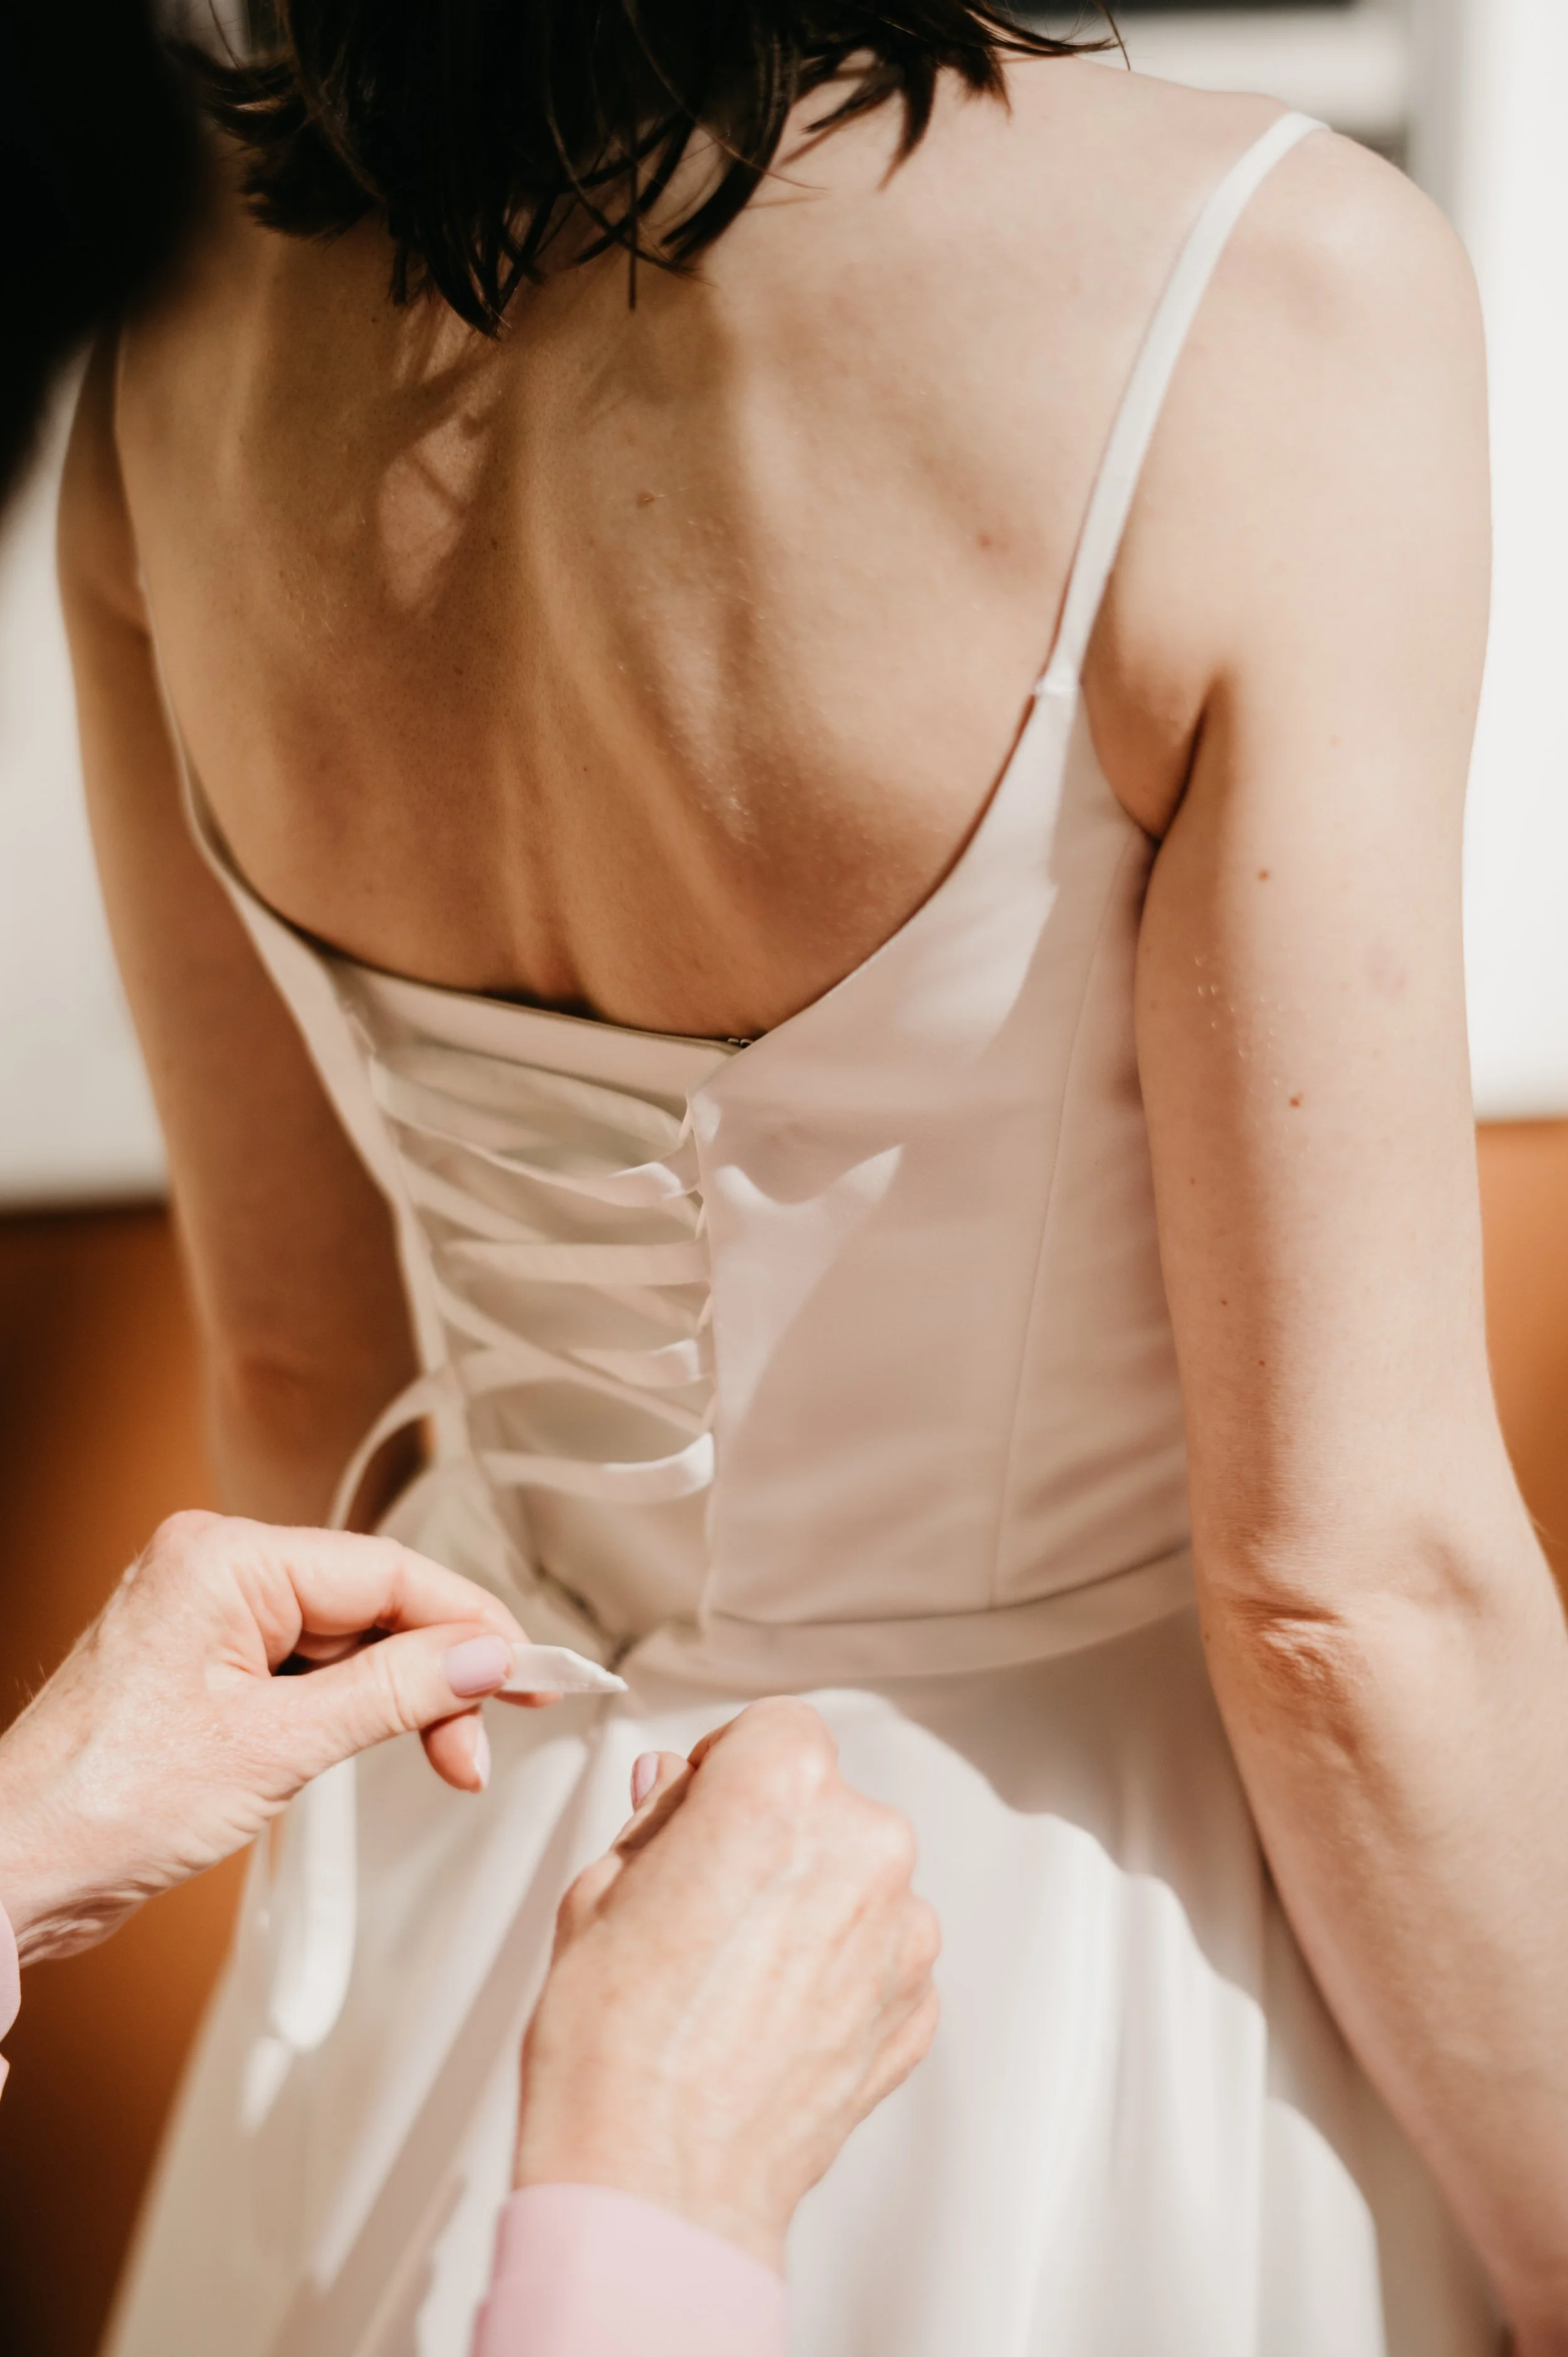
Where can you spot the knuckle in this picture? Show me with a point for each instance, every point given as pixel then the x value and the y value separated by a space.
pixel 911 2041
pixel 397 1708
pixel 189 1521
pixel 794 1728
pixel 178 1538
pixel 925 1936
pixel 890 1841
pixel 800 1780
pixel 787 1757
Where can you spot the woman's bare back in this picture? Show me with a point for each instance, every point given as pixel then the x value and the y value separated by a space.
pixel 659 660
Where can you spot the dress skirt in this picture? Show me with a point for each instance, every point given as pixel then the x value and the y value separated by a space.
pixel 1137 2135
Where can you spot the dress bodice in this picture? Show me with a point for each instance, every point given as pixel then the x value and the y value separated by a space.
pixel 854 1337
pixel 840 1353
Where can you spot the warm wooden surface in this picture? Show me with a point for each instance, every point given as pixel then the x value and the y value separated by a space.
pixel 98 1439
pixel 1524 1201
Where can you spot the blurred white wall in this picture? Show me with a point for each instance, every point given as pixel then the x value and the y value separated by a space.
pixel 1348 65
pixel 76 1122
pixel 1491 142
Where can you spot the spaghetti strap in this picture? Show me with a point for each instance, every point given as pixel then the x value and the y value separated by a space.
pixel 1111 499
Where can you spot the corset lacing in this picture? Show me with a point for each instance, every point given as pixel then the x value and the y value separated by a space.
pixel 573 1208
pixel 570 1271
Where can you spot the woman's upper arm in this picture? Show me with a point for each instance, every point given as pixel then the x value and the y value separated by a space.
pixel 1301 1006
pixel 288 1240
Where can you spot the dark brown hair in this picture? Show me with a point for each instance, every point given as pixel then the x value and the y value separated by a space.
pixel 479 129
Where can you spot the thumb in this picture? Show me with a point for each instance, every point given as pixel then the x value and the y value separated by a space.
pixel 659 1791
pixel 397 1687
pixel 660 1783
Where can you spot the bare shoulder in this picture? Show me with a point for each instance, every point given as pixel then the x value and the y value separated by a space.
pixel 1318 482
pixel 1339 243
pixel 1338 368
pixel 1342 334
pixel 1333 233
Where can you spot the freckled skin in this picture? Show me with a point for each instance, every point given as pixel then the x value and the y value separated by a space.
pixel 744 591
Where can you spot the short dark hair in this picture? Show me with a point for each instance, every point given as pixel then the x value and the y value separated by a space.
pixel 478 130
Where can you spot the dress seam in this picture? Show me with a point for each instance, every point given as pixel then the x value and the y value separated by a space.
pixel 1069 1068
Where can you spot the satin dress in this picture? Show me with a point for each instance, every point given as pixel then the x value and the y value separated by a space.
pixel 836 1362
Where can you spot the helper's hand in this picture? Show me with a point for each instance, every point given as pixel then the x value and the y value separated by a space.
pixel 165 1741
pixel 734 1987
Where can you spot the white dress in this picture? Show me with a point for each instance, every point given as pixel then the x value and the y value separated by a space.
pixel 837 1362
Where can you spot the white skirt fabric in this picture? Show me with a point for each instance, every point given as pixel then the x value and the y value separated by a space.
pixel 1138 2134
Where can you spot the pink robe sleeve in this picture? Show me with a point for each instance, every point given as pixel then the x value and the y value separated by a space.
pixel 10 1983
pixel 584 2271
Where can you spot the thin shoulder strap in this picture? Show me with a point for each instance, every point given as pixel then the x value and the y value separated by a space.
pixel 1111 500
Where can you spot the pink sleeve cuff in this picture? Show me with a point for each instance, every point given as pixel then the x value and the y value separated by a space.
pixel 585 2271
pixel 10 1983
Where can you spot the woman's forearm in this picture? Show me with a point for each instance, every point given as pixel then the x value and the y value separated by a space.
pixel 280 1438
pixel 1404 1743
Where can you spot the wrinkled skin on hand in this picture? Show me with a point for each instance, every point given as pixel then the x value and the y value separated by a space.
pixel 734 1987
pixel 165 1741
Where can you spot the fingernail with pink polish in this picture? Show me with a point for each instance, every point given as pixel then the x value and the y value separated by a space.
pixel 479 1665
pixel 644 1776
pixel 481 1755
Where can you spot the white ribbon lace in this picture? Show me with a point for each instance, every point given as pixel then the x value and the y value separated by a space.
pixel 565 1238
